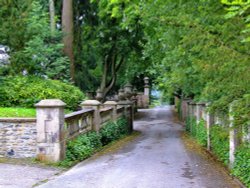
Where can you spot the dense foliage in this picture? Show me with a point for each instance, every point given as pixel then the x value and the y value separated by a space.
pixel 239 8
pixel 81 148
pixel 220 143
pixel 34 50
pixel 87 144
pixel 24 91
pixel 197 53
pixel 241 166
pixel 241 112
pixel 219 137
pixel 114 130
pixel 197 130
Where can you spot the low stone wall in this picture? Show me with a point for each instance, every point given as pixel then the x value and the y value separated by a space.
pixel 199 112
pixel 45 137
pixel 142 100
pixel 78 123
pixel 18 137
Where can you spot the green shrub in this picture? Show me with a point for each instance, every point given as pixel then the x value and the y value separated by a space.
pixel 191 125
pixel 123 128
pixel 178 107
pixel 198 131
pixel 114 130
pixel 85 145
pixel 220 143
pixel 188 124
pixel 201 133
pixel 24 91
pixel 81 148
pixel 241 167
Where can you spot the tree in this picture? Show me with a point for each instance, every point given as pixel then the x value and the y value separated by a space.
pixel 196 52
pixel 33 50
pixel 68 31
pixel 117 34
pixel 239 8
pixel 52 16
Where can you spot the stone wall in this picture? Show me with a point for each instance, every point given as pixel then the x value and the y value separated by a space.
pixel 18 138
pixel 199 111
pixel 45 137
pixel 142 100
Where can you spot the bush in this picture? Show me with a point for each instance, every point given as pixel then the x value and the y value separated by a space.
pixel 201 133
pixel 241 167
pixel 25 91
pixel 220 143
pixel 191 125
pixel 197 130
pixel 114 130
pixel 81 148
pixel 85 145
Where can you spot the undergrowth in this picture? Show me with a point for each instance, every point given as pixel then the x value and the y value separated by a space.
pixel 86 145
pixel 241 167
pixel 220 143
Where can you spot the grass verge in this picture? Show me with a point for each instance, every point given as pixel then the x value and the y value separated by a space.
pixel 17 112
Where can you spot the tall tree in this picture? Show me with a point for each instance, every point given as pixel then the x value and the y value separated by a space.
pixel 52 16
pixel 68 31
pixel 117 34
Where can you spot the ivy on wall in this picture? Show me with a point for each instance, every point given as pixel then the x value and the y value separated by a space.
pixel 241 166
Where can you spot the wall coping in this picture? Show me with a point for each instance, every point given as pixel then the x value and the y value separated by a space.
pixel 111 103
pixel 125 103
pixel 77 113
pixel 91 103
pixel 17 120
pixel 106 109
pixel 50 103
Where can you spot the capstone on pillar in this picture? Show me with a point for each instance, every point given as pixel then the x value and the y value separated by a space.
pixel 96 105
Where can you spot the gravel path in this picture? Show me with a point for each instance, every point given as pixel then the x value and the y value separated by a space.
pixel 23 176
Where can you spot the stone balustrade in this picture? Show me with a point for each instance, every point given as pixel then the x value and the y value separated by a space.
pixel 79 122
pixel 45 137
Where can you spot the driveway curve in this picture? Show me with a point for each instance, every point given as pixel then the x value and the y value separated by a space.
pixel 158 158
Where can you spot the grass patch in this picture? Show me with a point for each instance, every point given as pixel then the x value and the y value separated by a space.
pixel 6 112
pixel 17 112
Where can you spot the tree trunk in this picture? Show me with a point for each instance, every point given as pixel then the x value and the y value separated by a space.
pixel 68 31
pixel 52 16
pixel 111 67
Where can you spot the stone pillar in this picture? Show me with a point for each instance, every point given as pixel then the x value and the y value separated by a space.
pixel 146 93
pixel 146 86
pixel 198 113
pixel 209 124
pixel 129 114
pixel 50 130
pixel 135 107
pixel 193 111
pixel 184 106
pixel 96 105
pixel 233 138
pixel 112 104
